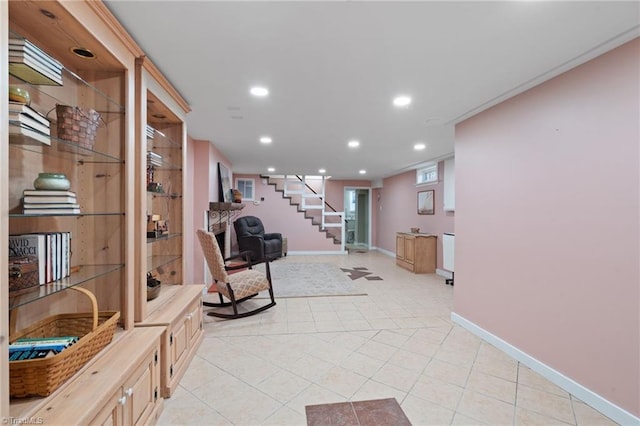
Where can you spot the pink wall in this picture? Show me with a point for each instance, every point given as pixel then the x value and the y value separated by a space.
pixel 277 215
pixel 397 210
pixel 191 175
pixel 202 174
pixel 334 189
pixel 547 228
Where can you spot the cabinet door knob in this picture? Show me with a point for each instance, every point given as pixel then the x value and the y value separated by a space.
pixel 190 316
pixel 128 392
pixel 122 400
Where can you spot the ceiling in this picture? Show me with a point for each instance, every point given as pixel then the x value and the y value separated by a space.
pixel 332 69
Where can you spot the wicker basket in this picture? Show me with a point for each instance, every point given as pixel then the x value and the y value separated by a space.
pixel 77 125
pixel 43 376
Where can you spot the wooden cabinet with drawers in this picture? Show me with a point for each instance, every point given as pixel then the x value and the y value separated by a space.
pixel 122 386
pixel 416 252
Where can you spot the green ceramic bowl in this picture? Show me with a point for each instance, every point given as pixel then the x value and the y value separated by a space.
pixel 18 94
pixel 55 181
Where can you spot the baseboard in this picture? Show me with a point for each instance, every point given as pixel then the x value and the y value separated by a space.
pixel 314 253
pixel 445 274
pixel 609 409
pixel 387 252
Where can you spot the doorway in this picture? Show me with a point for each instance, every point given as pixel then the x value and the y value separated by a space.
pixel 357 210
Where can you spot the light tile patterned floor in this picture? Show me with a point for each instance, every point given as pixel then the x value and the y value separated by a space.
pixel 396 342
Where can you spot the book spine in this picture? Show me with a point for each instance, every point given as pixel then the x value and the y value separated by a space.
pixel 37 66
pixel 51 211
pixel 24 44
pixel 57 347
pixel 50 206
pixel 18 108
pixel 17 52
pixel 34 340
pixel 31 246
pixel 31 125
pixel 30 354
pixel 37 136
pixel 45 192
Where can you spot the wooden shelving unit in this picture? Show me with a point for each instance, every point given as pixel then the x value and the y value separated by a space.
pixel 178 308
pixel 111 253
pixel 98 174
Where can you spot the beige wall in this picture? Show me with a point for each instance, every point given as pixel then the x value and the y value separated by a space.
pixel 547 224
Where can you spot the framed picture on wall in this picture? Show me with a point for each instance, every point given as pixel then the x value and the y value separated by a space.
pixel 425 202
pixel 224 184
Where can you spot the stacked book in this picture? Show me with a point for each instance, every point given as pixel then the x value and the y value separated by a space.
pixel 28 62
pixel 154 159
pixel 45 201
pixel 26 121
pixel 39 347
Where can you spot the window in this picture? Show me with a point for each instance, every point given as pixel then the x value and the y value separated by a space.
pixel 426 175
pixel 246 187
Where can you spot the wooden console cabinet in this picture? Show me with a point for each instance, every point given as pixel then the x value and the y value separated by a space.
pixel 416 252
pixel 179 311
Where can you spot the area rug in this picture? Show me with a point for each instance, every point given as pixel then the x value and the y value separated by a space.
pixel 309 280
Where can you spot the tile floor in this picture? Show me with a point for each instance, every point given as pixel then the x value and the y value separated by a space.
pixel 396 342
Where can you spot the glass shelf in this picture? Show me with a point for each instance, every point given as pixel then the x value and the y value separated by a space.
pixel 163 195
pixel 164 165
pixel 163 238
pixel 59 147
pixel 161 141
pixel 155 262
pixel 21 215
pixel 84 274
pixel 57 94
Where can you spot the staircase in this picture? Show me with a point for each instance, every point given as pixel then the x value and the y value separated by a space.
pixel 307 194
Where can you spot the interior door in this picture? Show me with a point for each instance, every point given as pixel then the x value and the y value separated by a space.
pixel 357 213
pixel 362 217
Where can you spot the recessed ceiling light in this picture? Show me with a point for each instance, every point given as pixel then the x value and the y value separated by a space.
pixel 83 52
pixel 323 171
pixel 48 14
pixel 419 146
pixel 271 169
pixel 401 101
pixel 259 91
pixel 362 172
pixel 265 139
pixel 353 144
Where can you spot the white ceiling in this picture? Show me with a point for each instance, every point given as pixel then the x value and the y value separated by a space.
pixel 332 69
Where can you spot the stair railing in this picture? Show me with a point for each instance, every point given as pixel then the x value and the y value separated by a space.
pixel 298 186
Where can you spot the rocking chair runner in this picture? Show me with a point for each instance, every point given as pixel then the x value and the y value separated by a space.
pixel 236 287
